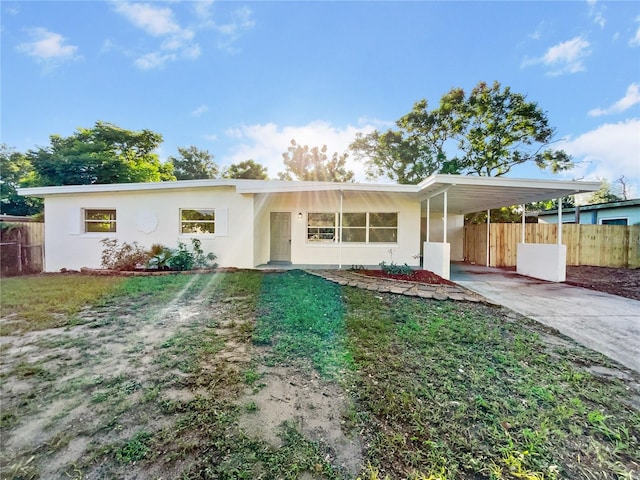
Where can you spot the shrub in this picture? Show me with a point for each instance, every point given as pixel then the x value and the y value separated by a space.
pixel 394 269
pixel 160 257
pixel 122 257
pixel 181 258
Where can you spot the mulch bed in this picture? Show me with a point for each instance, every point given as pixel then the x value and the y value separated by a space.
pixel 422 276
pixel 624 282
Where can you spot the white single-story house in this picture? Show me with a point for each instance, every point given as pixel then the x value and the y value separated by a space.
pixel 248 223
pixel 622 212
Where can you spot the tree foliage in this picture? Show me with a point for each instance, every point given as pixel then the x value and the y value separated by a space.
pixel 193 164
pixel 604 194
pixel 16 171
pixel 313 164
pixel 247 169
pixel 487 132
pixel 105 153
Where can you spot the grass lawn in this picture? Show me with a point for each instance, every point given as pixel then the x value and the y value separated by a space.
pixel 162 370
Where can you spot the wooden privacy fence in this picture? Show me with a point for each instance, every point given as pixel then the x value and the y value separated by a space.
pixel 598 245
pixel 21 247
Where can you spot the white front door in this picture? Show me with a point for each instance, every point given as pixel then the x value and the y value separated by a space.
pixel 280 250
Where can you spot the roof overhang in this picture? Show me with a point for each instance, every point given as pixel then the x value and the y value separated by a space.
pixel 465 194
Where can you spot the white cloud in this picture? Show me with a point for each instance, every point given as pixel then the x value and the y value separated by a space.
pixel 631 98
pixel 177 42
pixel 241 21
pixel 200 110
pixel 153 60
pixel 265 143
pixel 609 151
pixel 565 57
pixel 635 40
pixel 153 20
pixel 597 13
pixel 48 47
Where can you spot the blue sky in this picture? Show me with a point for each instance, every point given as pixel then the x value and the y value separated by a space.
pixel 241 79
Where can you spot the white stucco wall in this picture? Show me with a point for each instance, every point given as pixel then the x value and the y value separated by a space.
pixel 316 253
pixel 67 247
pixel 543 261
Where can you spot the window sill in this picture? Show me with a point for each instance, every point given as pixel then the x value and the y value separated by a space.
pixel 351 244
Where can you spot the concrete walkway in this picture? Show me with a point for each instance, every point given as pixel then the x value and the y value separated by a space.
pixel 606 323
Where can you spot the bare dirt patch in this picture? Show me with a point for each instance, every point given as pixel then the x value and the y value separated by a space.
pixel 289 394
pixel 624 282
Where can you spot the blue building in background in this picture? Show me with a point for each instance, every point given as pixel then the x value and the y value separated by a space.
pixel 625 212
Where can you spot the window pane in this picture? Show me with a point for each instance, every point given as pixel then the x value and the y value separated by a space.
pixel 355 235
pixel 383 219
pixel 321 234
pixel 322 219
pixel 91 227
pixel 383 235
pixel 100 215
pixel 99 221
pixel 206 214
pixel 198 227
pixel 354 219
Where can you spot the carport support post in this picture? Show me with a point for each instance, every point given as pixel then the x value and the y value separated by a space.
pixel 523 223
pixel 340 234
pixel 445 218
pixel 488 230
pixel 559 236
pixel 428 219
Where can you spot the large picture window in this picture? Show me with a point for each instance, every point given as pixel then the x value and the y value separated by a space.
pixel 360 227
pixel 99 221
pixel 200 221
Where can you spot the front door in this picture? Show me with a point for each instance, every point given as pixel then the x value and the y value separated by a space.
pixel 280 237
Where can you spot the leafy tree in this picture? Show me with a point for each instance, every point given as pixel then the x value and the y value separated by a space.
pixel 16 171
pixel 193 164
pixel 487 133
pixel 105 153
pixel 604 194
pixel 247 169
pixel 313 164
pixel 394 155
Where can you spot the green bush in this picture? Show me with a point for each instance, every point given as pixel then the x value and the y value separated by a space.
pixel 394 269
pixel 181 258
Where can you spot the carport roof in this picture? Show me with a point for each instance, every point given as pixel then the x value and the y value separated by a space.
pixel 465 194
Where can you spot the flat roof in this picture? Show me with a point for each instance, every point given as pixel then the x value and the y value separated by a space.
pixel 465 194
pixel 594 206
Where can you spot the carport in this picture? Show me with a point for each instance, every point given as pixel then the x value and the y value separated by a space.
pixel 443 196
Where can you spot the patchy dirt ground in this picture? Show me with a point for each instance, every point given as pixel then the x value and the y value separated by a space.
pixel 73 398
pixel 624 282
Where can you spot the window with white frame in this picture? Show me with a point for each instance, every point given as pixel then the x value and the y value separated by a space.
pixel 357 227
pixel 200 221
pixel 321 227
pixel 99 221
pixel 383 228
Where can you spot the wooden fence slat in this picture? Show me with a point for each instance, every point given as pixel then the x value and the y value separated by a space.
pixel 599 245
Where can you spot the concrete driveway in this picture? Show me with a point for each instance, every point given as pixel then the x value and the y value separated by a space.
pixel 606 323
